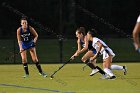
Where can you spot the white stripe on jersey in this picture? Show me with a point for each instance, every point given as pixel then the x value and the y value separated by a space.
pixel 95 45
pixel 103 49
pixel 138 20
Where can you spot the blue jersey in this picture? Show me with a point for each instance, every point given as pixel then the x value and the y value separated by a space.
pixel 26 38
pixel 90 47
pixel 82 43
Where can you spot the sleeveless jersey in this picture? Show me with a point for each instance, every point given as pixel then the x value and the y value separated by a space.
pixel 90 47
pixel 25 36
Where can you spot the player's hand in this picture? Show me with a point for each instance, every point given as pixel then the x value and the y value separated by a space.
pixel 136 46
pixel 35 40
pixel 34 44
pixel 21 49
pixel 73 57
pixel 77 53
pixel 93 58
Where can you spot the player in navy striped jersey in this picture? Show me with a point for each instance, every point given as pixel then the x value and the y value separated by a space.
pixel 83 42
pixel 107 53
pixel 27 38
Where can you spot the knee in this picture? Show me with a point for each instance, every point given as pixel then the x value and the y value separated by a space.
pixel 83 59
pixel 24 61
pixel 35 60
pixel 106 65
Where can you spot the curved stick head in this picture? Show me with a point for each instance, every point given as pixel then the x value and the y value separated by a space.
pixel 51 77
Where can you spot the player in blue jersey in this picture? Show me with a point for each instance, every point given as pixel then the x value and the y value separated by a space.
pixel 27 38
pixel 83 42
pixel 136 33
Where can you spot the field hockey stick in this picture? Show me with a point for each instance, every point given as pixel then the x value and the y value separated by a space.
pixel 84 66
pixel 16 54
pixel 52 76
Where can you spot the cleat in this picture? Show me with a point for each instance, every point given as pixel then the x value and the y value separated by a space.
pixel 25 76
pixel 94 71
pixel 43 74
pixel 111 78
pixel 106 76
pixel 125 70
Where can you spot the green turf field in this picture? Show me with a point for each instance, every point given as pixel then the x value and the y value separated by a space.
pixel 70 79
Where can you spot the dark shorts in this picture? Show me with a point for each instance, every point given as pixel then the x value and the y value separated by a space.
pixel 28 45
pixel 93 51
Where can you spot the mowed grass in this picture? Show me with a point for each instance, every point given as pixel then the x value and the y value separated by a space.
pixel 70 79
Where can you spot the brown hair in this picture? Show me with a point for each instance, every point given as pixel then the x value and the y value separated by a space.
pixel 81 30
pixel 91 33
pixel 23 18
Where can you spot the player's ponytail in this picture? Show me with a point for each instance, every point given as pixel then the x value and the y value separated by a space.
pixel 91 33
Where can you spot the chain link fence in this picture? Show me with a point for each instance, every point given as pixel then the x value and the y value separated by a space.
pixel 52 51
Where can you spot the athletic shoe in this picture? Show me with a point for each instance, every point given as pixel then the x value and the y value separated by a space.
pixel 124 70
pixel 43 74
pixel 111 78
pixel 25 76
pixel 94 71
pixel 106 76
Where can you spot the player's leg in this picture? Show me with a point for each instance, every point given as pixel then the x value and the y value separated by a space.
pixel 106 65
pixel 117 67
pixel 92 64
pixel 35 60
pixel 97 69
pixel 25 64
pixel 86 59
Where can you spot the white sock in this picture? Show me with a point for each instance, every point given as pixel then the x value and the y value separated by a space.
pixel 108 71
pixel 116 67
